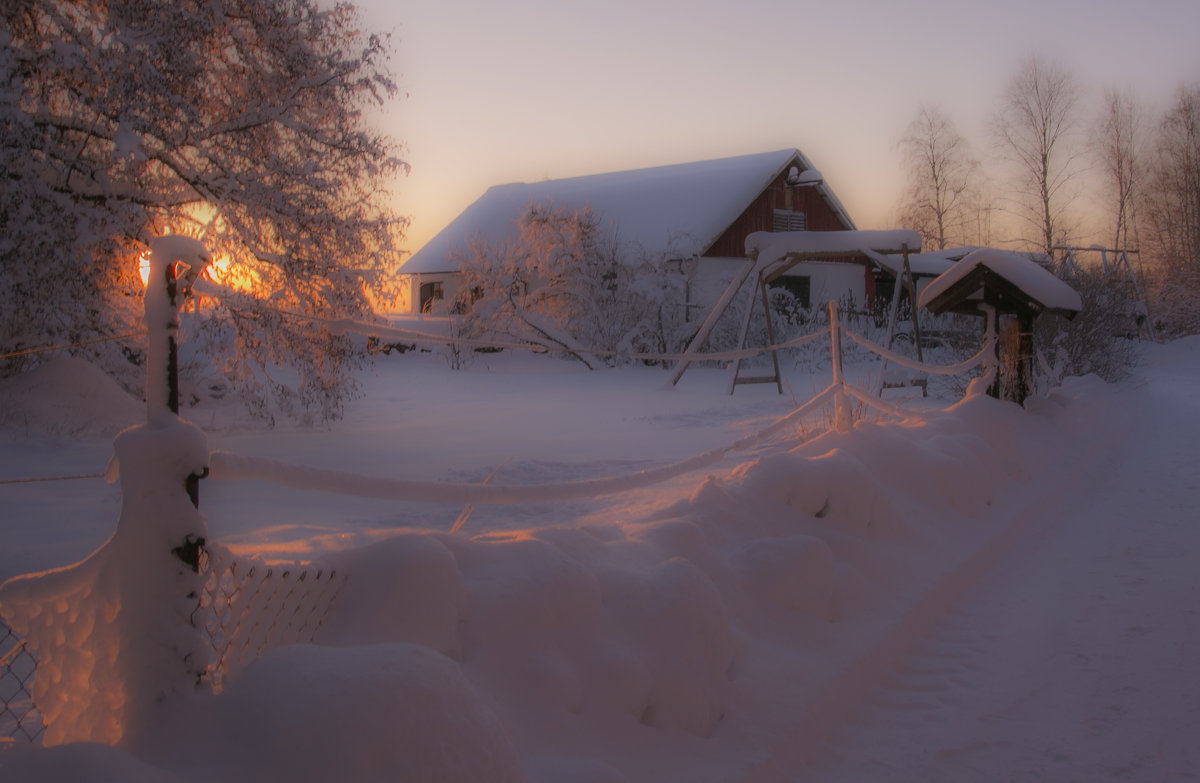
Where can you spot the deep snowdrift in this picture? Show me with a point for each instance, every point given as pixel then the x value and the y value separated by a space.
pixel 716 635
pixel 67 396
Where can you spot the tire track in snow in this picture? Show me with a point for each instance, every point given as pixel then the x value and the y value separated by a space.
pixel 1074 660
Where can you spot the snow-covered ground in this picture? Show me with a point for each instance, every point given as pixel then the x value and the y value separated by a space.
pixel 1075 659
pixel 978 593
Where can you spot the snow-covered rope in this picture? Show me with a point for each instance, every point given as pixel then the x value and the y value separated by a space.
pixel 40 479
pixel 751 441
pixel 939 369
pixel 345 325
pixel 381 331
pixel 64 346
pixel 879 404
pixel 236 467
pixel 351 326
pixel 229 466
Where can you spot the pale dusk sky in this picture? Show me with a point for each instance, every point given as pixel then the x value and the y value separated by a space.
pixel 525 90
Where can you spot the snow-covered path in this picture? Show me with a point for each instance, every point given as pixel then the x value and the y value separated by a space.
pixel 1075 660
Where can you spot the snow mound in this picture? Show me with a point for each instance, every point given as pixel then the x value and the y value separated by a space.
pixel 1180 356
pixel 67 396
pixel 716 637
pixel 90 761
pixel 610 630
pixel 405 589
pixel 396 707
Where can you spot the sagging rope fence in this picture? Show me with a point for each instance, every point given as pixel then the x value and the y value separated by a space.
pixel 416 337
pixel 43 479
pixel 66 346
pixel 385 332
pixel 234 467
pixel 248 606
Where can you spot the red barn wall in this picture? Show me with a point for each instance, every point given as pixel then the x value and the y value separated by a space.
pixel 759 215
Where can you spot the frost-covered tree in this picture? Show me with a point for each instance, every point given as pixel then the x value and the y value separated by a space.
pixel 563 282
pixel 1035 132
pixel 940 170
pixel 240 122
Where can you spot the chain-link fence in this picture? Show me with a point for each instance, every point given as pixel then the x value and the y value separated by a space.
pixel 247 607
pixel 20 719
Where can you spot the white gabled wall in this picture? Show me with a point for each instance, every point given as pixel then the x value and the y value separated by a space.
pixel 829 281
pixel 409 302
pixel 833 281
pixel 707 279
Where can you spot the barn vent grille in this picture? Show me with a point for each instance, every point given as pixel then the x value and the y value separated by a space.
pixel 788 220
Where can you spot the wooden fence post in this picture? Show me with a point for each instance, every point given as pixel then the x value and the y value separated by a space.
pixel 841 407
pixel 162 323
pixel 992 363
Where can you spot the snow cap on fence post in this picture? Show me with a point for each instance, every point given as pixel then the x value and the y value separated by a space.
pixel 162 302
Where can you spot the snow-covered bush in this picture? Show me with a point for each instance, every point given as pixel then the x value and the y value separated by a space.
pixel 563 282
pixel 1100 340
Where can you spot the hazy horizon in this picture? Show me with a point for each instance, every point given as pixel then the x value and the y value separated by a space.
pixel 531 90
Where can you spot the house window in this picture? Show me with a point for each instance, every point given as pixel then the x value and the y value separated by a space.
pixel 430 293
pixel 788 220
pixel 799 286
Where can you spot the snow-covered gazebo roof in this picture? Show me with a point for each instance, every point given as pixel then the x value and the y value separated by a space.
pixel 682 208
pixel 1008 280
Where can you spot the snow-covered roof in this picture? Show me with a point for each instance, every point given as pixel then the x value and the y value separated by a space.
pixel 1031 279
pixel 682 208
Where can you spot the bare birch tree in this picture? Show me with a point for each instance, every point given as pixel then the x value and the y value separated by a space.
pixel 1120 142
pixel 1035 131
pixel 940 170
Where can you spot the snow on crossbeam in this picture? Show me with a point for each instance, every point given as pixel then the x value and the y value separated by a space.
pixel 771 246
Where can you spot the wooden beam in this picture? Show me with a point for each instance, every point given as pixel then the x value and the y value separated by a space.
pixel 692 352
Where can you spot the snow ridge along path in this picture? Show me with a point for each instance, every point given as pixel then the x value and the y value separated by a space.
pixel 1074 658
